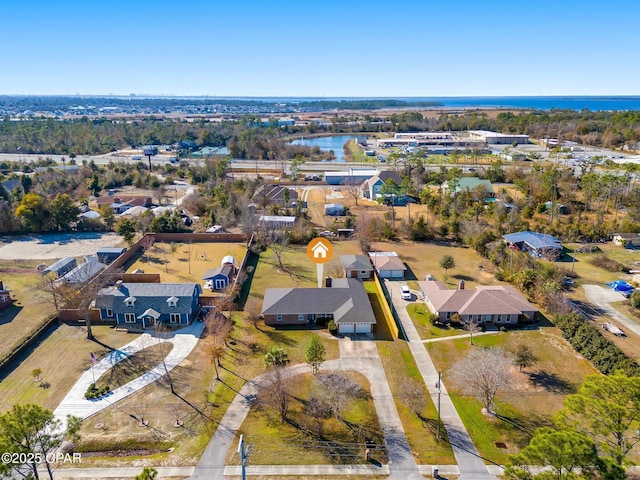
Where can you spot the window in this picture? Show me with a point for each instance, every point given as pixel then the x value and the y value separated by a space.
pixel 363 272
pixel 278 318
pixel 175 318
pixel 4 298
pixel 301 317
pixel 109 313
pixel 129 318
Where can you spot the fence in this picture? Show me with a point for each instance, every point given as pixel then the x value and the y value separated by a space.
pixel 389 314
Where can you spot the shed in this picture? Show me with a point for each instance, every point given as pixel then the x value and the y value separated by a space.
pixel 60 267
pixel 109 254
pixel 335 209
pixel 219 276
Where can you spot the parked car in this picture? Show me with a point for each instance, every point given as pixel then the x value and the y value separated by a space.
pixel 327 233
pixel 406 293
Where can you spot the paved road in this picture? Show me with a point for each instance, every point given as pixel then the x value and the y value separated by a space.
pixel 359 355
pixel 469 461
pixel 602 297
pixel 74 403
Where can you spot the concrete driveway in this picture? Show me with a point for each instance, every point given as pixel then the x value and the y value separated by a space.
pixel 602 297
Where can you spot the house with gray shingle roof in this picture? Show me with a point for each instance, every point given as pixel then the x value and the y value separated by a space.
pixel 344 300
pixel 143 305
pixel 487 304
pixel 356 266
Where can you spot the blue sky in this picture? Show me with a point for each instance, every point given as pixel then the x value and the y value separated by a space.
pixel 320 48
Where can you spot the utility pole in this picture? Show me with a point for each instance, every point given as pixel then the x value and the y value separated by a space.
pixel 243 454
pixel 439 392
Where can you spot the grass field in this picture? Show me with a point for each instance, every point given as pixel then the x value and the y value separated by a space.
pixel 62 356
pixel 309 440
pixel 534 397
pixel 419 312
pixel 188 262
pixel 30 309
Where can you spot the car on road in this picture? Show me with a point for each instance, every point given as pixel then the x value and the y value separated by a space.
pixel 406 293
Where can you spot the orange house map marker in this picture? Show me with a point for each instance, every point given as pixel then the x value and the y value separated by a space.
pixel 320 251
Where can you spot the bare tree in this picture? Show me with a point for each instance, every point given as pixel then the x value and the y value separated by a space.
pixel 484 372
pixel 278 245
pixel 471 326
pixel 353 188
pixel 252 311
pixel 338 391
pixel 275 391
pixel 413 395
pixel 139 412
pixel 162 334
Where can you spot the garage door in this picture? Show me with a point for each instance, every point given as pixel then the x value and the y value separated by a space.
pixel 346 328
pixel 363 328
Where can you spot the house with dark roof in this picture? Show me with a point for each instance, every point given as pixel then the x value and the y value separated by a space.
pixel 487 304
pixel 356 266
pixel 219 278
pixel 5 297
pixel 388 264
pixel 372 187
pixel 143 305
pixel 274 194
pixel 60 267
pixel 627 240
pixel 538 244
pixel 109 254
pixel 83 272
pixel 344 300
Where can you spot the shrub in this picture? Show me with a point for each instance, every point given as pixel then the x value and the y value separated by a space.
pixel 332 327
pixel 635 299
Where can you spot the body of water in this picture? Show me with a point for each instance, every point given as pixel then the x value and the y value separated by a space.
pixel 334 142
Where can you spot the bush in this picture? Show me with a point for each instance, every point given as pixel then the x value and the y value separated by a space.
pixel 332 327
pixel 635 299
pixel 607 263
pixel 95 392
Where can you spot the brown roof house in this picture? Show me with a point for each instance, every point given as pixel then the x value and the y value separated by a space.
pixel 356 266
pixel 388 264
pixel 495 304
pixel 274 194
pixel 344 300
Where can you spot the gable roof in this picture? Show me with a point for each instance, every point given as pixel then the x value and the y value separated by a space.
pixel 346 299
pixel 533 240
pixel 224 270
pixel 386 262
pixel 271 193
pixel 133 200
pixel 382 177
pixel 356 262
pixel 148 295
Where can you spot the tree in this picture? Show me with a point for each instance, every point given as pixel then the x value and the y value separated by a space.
pixel 469 324
pixel 276 357
pixel 447 262
pixel 413 395
pixel 523 357
pixel 30 430
pixel 147 473
pixel 62 212
pixel 315 353
pixel 126 228
pixel 607 409
pixel 274 391
pixel 33 212
pixel 108 216
pixel 338 391
pixel 352 187
pixel 569 454
pixel 484 372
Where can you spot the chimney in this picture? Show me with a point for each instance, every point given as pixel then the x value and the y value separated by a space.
pixel 461 285
pixel 1 285
pixel 327 282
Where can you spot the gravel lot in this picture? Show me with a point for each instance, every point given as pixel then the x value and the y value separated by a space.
pixel 55 245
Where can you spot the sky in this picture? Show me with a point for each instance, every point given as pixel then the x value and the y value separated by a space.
pixel 324 48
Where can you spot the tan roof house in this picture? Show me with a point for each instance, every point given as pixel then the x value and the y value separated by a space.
pixel 494 304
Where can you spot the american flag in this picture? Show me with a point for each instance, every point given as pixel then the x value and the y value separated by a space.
pixel 94 360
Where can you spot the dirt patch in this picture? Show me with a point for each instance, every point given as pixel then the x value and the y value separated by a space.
pixel 56 245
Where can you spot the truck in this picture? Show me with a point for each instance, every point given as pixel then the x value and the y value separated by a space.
pixel 617 331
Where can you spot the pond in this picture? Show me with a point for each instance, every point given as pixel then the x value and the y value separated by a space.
pixel 334 142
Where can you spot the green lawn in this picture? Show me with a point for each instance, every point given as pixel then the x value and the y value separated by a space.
pixel 398 365
pixel 419 314
pixel 535 395
pixel 309 440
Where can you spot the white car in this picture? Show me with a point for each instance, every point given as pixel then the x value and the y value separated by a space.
pixel 406 293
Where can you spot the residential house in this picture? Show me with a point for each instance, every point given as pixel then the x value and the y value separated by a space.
pixel 372 187
pixel 470 184
pixel 143 305
pixel 127 210
pixel 275 195
pixel 334 209
pixel 60 267
pixel 344 300
pixel 352 176
pixel 388 264
pixel 357 266
pixel 627 240
pixel 538 244
pixel 5 297
pixel 121 203
pixel 494 304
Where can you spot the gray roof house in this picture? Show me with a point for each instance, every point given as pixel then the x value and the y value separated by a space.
pixel 219 277
pixel 143 305
pixel 274 194
pixel 344 300
pixel 356 266
pixel 388 264
pixel 487 304
pixel 60 267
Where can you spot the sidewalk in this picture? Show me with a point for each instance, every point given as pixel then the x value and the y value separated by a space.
pixel 469 461
pixel 361 356
pixel 74 403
